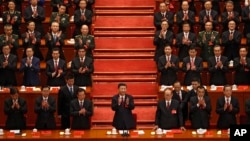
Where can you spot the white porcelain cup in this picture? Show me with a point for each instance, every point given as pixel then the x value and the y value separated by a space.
pixel 23 88
pixel 113 130
pixel 213 87
pixel 234 87
pixel 34 130
pixel 1 130
pixel 67 131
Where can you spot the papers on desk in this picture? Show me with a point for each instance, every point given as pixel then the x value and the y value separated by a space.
pixel 17 131
pixel 140 132
pixel 71 41
pixel 163 87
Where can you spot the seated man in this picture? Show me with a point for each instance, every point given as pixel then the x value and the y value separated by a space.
pixel 45 108
pixel 81 110
pixel 168 114
pixel 15 109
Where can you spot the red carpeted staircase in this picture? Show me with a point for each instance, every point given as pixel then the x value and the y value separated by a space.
pixel 123 31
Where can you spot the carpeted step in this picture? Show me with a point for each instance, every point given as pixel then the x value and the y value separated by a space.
pixel 131 3
pixel 125 78
pixel 133 88
pixel 123 55
pixel 124 43
pixel 122 11
pixel 110 22
pixel 124 33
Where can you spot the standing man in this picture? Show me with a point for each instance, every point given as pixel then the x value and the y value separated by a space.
pixel 227 107
pixel 162 38
pixel 30 66
pixel 86 41
pixel 192 66
pixel 231 40
pixel 15 108
pixel 200 109
pixel 81 109
pixel 8 66
pixel 168 114
pixel 55 69
pixel 168 65
pixel 45 108
pixel 123 104
pixel 66 94
pixel 82 67
pixel 207 39
pixel 241 66
pixel 217 67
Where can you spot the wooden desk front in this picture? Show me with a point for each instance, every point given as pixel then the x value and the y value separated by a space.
pixel 30 99
pixel 101 135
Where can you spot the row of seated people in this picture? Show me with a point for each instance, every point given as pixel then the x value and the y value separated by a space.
pixel 172 111
pixel 56 68
pixel 36 13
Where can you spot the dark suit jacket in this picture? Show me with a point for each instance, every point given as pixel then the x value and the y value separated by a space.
pixel 8 74
pixel 182 102
pixel 82 79
pixel 231 47
pixel 245 19
pixel 27 43
pixel 226 118
pixel 50 68
pixel 168 75
pixel 200 116
pixel 64 99
pixel 15 117
pixel 215 5
pixel 247 110
pixel 78 22
pixel 218 75
pixel 158 19
pixel 123 118
pixel 45 117
pixel 183 48
pixel 193 93
pixel 242 74
pixel 31 74
pixel 203 14
pixel 58 43
pixel 225 19
pixel 190 74
pixel 168 118
pixel 38 20
pixel 190 20
pixel 81 121
pixel 160 43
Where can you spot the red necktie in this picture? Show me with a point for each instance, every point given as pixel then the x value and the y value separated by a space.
pixel 6 58
pixel 56 65
pixel 168 104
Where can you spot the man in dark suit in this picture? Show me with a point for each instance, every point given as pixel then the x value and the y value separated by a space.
pixel 55 69
pixel 15 108
pixel 168 65
pixel 85 40
pixel 54 39
pixel 82 16
pixel 66 94
pixel 185 40
pixel 82 67
pixel 12 17
pixel 168 113
pixel 162 37
pixel 180 95
pixel 200 109
pixel 217 67
pixel 229 14
pixel 35 13
pixel 192 66
pixel 32 38
pixel 45 108
pixel 185 16
pixel 195 83
pixel 10 39
pixel 89 4
pixel 8 66
pixel 81 109
pixel 241 66
pixel 123 104
pixel 215 5
pixel 231 40
pixel 30 66
pixel 246 19
pixel 227 107
pixel 247 110
pixel 207 39
pixel 163 15
pixel 208 14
